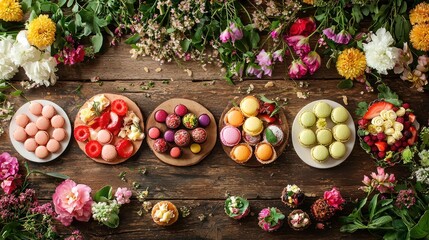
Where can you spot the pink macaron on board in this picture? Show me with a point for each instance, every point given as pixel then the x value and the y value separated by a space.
pixel 181 132
pixel 235 137
pixel 40 131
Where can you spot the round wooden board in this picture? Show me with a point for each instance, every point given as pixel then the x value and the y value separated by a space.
pixel 253 162
pixel 131 106
pixel 188 158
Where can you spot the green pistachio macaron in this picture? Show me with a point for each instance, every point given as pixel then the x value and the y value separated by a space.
pixel 341 132
pixel 324 136
pixel 337 150
pixel 322 110
pixel 339 115
pixel 320 153
pixel 307 119
pixel 307 138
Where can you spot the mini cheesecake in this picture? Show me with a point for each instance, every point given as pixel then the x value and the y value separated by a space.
pixel 274 135
pixel 164 213
pixel 253 126
pixel 234 117
pixel 241 153
pixel 265 153
pixel 249 106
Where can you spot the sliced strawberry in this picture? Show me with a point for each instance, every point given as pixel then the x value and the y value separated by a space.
pixel 381 146
pixel 115 122
pixel 412 117
pixel 93 149
pixel 120 107
pixel 267 118
pixel 413 139
pixel 124 148
pixel 104 120
pixel 81 133
pixel 375 109
pixel 266 108
pixel 94 124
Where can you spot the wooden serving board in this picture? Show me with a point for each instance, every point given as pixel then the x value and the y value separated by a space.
pixel 188 158
pixel 131 106
pixel 253 162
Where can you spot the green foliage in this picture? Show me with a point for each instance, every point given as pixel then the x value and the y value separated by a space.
pixel 104 194
pixel 362 109
pixel 388 95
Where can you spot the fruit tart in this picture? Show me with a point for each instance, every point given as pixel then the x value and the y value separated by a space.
pixel 292 196
pixel 164 213
pixel 109 128
pixel 237 207
pixel 298 220
pixel 270 219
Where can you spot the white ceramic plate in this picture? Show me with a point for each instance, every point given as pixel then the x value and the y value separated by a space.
pixel 19 147
pixel 305 153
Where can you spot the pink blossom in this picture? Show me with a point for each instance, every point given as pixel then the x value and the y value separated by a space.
pixel 333 198
pixel 381 181
pixel 264 213
pixel 366 180
pixel 278 55
pixel 72 200
pixel 313 61
pixel 225 36
pixel 9 166
pixel 330 33
pixel 9 185
pixel 236 33
pixel 343 37
pixel 299 43
pixel 423 63
pixel 404 60
pixel 275 34
pixel 123 195
pixel 254 70
pixel 297 69
pixel 264 58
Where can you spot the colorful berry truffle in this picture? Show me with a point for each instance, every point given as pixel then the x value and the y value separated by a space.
pixel 237 207
pixel 182 138
pixel 190 121
pixel 292 196
pixel 160 145
pixel 160 116
pixel 175 152
pixel 181 110
pixel 172 121
pixel 204 120
pixel 298 220
pixel 169 136
pixel 154 132
pixel 199 135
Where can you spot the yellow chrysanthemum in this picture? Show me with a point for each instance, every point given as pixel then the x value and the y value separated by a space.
pixel 310 2
pixel 10 11
pixel 420 14
pixel 419 37
pixel 351 63
pixel 41 32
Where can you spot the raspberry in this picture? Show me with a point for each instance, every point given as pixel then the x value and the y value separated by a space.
pixel 406 105
pixel 370 143
pixel 366 139
pixel 407 134
pixel 381 136
pixel 400 120
pixel 381 154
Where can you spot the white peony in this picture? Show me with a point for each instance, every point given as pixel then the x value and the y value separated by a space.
pixel 7 68
pixel 42 72
pixel 22 51
pixel 378 53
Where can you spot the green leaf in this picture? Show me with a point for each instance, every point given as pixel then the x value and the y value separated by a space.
pixel 70 3
pixel 16 93
pixel 133 39
pixel 271 138
pixel 345 84
pixel 254 39
pixel 97 42
pixel 113 221
pixel 265 99
pixel 185 44
pixel 51 174
pixel 362 109
pixel 388 95
pixel 421 229
pixel 372 206
pixel 378 222
pixel 75 8
pixel 61 2
pixel 105 193
pixel 350 228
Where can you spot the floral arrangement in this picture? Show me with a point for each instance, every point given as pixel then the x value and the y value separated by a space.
pixel 325 208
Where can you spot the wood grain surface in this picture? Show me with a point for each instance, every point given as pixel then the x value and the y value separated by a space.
pixel 203 186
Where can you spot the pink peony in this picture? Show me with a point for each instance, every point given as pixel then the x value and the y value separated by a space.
pixel 225 36
pixel 313 61
pixel 123 195
pixel 72 200
pixel 9 166
pixel 236 33
pixel 297 69
pixel 299 43
pixel 333 198
pixel 9 184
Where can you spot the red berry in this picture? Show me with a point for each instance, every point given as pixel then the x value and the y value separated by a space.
pixel 81 133
pixel 398 144
pixel 104 120
pixel 400 119
pixel 381 146
pixel 366 139
pixel 393 148
pixel 370 143
pixel 363 123
pixel 381 154
pixel 93 149
pixel 374 149
pixel 374 138
pixel 124 148
pixel 120 107
pixel 395 109
pixel 406 105
pixel 404 144
pixel 407 125
pixel 381 136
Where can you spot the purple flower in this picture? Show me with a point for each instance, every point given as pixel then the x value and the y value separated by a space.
pixel 9 166
pixel 225 36
pixel 264 58
pixel 299 43
pixel 297 69
pixel 254 70
pixel 313 61
pixel 236 33
pixel 330 33
pixel 343 37
pixel 278 55
pixel 405 198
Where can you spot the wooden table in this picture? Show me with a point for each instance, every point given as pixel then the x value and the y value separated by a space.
pixel 202 187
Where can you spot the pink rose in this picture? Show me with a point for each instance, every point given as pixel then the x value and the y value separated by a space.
pixel 333 198
pixel 303 26
pixel 313 61
pixel 299 43
pixel 297 69
pixel 123 195
pixel 72 200
pixel 9 184
pixel 9 166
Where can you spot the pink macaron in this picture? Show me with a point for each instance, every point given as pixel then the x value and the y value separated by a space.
pixel 42 137
pixel 57 121
pixel 22 120
pixel 43 123
pixel 154 132
pixel 59 134
pixel 19 134
pixel 230 136
pixel 41 152
pixel 48 111
pixel 30 145
pixel 53 146
pixel 35 108
pixel 31 129
pixel 108 152
pixel 104 136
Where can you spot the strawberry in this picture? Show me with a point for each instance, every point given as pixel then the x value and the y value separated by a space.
pixel 266 108
pixel 375 109
pixel 115 122
pixel 381 146
pixel 267 118
pixel 412 117
pixel 413 139
pixel 104 120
